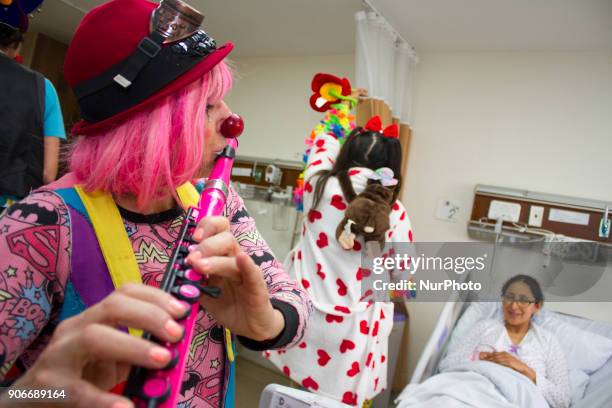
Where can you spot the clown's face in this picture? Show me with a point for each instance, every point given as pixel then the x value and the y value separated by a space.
pixel 214 141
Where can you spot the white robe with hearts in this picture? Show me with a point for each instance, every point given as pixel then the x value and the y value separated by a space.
pixel 343 355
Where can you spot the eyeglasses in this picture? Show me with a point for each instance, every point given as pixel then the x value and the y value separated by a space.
pixel 522 301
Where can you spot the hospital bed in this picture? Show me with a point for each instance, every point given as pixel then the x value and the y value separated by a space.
pixel 586 343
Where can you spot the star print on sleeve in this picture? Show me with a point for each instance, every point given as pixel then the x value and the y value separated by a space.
pixel 34 261
pixel 11 271
pixel 282 289
pixel 215 363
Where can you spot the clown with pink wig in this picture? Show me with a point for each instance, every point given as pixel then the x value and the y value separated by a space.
pixel 82 259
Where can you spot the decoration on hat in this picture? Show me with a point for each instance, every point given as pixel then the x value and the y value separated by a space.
pixel 329 90
pixel 171 21
pixel 175 20
pixel 199 44
pixel 14 13
pixel 338 121
pixel 375 125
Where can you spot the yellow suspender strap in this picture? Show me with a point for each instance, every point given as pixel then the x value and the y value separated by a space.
pixel 115 244
pixel 112 238
pixel 188 195
pixel 228 344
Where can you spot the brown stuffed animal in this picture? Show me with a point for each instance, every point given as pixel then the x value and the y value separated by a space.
pixel 368 215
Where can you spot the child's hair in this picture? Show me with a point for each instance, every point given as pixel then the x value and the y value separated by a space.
pixel 363 148
pixel 534 286
pixel 156 150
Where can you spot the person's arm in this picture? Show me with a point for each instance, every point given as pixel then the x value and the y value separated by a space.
pixel 52 148
pixel 34 259
pixel 511 361
pixel 53 131
pixel 323 155
pixel 467 346
pixel 286 295
pixel 555 385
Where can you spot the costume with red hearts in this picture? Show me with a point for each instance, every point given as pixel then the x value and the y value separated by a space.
pixel 343 356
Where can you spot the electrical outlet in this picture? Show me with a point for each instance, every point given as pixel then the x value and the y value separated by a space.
pixel 505 210
pixel 536 214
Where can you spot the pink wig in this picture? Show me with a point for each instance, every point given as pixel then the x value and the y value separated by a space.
pixel 157 150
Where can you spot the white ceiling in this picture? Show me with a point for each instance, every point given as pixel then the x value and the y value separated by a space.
pixel 265 28
pixel 501 25
pixel 258 28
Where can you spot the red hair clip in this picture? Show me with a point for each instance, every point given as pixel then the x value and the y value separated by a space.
pixel 375 125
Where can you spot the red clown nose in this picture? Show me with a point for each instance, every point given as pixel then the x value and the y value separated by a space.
pixel 232 127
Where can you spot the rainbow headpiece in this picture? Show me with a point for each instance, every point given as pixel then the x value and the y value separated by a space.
pixel 329 92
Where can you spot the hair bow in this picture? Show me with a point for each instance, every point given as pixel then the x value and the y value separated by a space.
pixel 375 125
pixel 385 175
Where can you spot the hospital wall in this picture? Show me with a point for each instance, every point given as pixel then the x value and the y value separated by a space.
pixel 272 95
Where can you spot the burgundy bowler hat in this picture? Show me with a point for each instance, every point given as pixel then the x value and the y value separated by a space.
pixel 127 54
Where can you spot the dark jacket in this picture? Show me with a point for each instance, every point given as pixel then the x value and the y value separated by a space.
pixel 22 106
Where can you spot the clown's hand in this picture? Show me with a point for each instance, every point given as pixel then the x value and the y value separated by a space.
pixel 359 93
pixel 88 355
pixel 243 305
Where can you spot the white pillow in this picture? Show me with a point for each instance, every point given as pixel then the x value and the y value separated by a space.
pixel 598 393
pixel 584 350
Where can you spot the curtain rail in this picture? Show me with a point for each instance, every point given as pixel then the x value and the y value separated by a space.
pixel 368 5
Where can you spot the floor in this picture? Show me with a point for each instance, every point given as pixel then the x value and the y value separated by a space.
pixel 251 379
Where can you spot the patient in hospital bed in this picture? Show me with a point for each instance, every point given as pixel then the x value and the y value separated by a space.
pixel 518 343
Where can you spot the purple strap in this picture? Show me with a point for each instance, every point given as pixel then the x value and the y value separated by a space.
pixel 89 273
